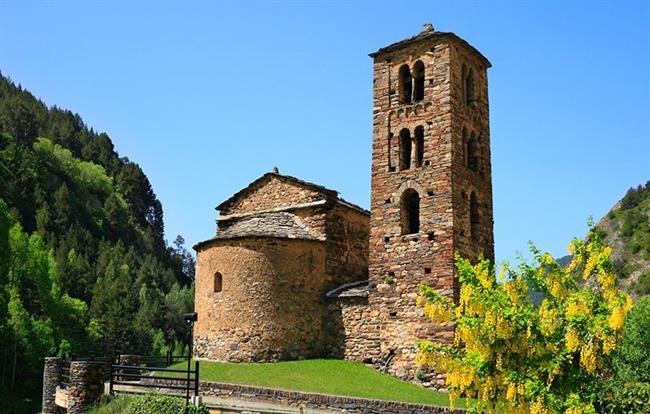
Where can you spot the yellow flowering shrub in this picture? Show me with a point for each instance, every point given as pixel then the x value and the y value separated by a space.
pixel 513 355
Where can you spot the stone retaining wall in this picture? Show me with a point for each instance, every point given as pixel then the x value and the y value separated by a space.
pixel 306 399
pixel 321 401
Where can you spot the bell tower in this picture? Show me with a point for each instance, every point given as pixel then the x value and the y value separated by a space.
pixel 431 181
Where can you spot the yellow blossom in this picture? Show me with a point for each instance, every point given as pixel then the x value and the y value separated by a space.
pixel 609 344
pixel 556 289
pixel 617 318
pixel 453 397
pixel 571 266
pixel 585 409
pixel 504 329
pixel 607 281
pixel 573 309
pixel 589 267
pixel 577 307
pixel 466 294
pixel 437 312
pixel 588 357
pixel 572 340
pixel 521 389
pixel 629 304
pixel 548 259
pixel 573 410
pixel 511 394
pixel 538 407
pixel 499 361
pixel 484 278
pixel 513 289
pixel 548 316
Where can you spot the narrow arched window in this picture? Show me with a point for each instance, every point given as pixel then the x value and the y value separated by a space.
pixel 473 153
pixel 390 151
pixel 218 282
pixel 405 84
pixel 418 81
pixel 419 146
pixel 465 148
pixel 473 215
pixel 404 149
pixel 410 212
pixel 468 86
pixel 463 83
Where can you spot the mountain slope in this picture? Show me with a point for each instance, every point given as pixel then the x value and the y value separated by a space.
pixel 84 265
pixel 626 229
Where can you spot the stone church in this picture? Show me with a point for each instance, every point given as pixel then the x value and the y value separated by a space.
pixel 295 271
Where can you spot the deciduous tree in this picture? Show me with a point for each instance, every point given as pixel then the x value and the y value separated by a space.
pixel 515 355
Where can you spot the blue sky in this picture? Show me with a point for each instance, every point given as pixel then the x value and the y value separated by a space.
pixel 207 96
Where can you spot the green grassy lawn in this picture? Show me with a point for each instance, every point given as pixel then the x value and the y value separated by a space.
pixel 325 376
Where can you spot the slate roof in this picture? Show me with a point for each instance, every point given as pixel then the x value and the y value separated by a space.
pixel 318 188
pixel 275 225
pixel 355 289
pixel 432 34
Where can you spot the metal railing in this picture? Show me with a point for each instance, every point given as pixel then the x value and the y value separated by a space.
pixel 147 377
pixel 163 360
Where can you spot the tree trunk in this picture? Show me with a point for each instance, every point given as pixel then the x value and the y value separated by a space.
pixel 13 373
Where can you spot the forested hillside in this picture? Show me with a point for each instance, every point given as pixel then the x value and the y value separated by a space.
pixel 626 228
pixel 84 266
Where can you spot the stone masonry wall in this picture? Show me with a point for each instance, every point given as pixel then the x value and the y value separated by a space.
pixel 51 379
pixel 270 194
pixel 309 400
pixel 315 218
pixel 347 232
pixel 319 401
pixel 399 263
pixel 86 385
pixel 473 118
pixel 270 306
pixel 354 329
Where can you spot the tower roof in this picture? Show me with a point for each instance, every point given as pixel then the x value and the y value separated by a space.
pixel 429 33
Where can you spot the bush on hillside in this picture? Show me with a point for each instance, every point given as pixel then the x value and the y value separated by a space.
pixel 146 404
pixel 629 386
pixel 642 285
pixel 634 350
pixel 631 397
pixel 161 404
pixel 635 196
